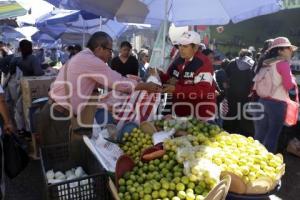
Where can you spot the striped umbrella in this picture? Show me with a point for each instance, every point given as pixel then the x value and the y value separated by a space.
pixel 9 9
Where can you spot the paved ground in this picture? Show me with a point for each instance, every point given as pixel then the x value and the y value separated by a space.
pixel 28 185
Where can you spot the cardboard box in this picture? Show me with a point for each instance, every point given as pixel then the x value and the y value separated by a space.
pixel 32 88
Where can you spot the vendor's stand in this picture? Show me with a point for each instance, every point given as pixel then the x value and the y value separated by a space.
pixel 211 131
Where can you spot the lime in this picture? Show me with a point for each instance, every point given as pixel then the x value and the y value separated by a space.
pixel 141 194
pixel 176 180
pixel 147 197
pixel 156 186
pixel 136 185
pixel 156 162
pixel 165 157
pixel 171 194
pixel 177 174
pixel 161 165
pixel 181 194
pixel 140 179
pixel 180 187
pixel 135 196
pixel 163 193
pixel 155 195
pixel 145 168
pixel 190 196
pixel 185 180
pixel 191 185
pixel 200 197
pixel 122 189
pixel 172 186
pixel 129 182
pixel 164 171
pixel 127 175
pixel 132 189
pixel 152 168
pixel 150 176
pixel 165 185
pixel 121 181
pixel 199 189
pixel 139 189
pixel 121 195
pixel 147 190
pixel 189 190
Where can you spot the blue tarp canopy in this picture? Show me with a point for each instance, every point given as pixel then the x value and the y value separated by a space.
pixel 179 12
pixel 61 22
pixel 124 10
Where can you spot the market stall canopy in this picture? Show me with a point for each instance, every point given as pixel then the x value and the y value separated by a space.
pixel 9 33
pixel 41 37
pixel 213 12
pixel 124 10
pixel 180 12
pixel 60 22
pixel 10 9
pixel 27 31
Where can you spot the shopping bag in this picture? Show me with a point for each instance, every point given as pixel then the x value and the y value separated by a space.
pixel 292 110
pixel 15 156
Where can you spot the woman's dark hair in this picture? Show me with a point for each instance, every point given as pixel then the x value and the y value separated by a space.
pixel 245 52
pixel 25 47
pixel 3 52
pixel 267 45
pixel 70 48
pixel 224 63
pixel 126 44
pixel 99 39
pixel 207 51
pixel 273 53
pixel 77 47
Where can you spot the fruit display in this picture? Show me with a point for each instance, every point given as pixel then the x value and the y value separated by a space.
pixel 191 126
pixel 162 178
pixel 192 163
pixel 249 160
pixel 134 143
pixel 242 156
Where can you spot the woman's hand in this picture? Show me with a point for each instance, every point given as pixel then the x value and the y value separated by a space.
pixel 149 87
pixel 172 81
pixel 168 88
pixel 153 88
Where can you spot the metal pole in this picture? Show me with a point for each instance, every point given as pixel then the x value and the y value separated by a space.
pixel 165 33
pixel 100 23
pixel 84 31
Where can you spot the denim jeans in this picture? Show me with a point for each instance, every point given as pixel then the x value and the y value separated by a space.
pixel 268 129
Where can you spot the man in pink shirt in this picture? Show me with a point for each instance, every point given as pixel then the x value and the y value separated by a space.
pixel 75 83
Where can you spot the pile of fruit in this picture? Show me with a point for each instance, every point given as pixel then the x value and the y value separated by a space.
pixel 189 126
pixel 134 143
pixel 194 160
pixel 248 159
pixel 243 156
pixel 162 178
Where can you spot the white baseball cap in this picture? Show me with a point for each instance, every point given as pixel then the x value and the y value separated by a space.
pixel 189 37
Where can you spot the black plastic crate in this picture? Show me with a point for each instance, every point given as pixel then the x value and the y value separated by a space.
pixel 61 158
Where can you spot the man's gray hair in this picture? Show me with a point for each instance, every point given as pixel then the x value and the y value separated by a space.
pixel 99 39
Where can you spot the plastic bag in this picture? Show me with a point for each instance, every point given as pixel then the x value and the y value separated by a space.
pixel 15 156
